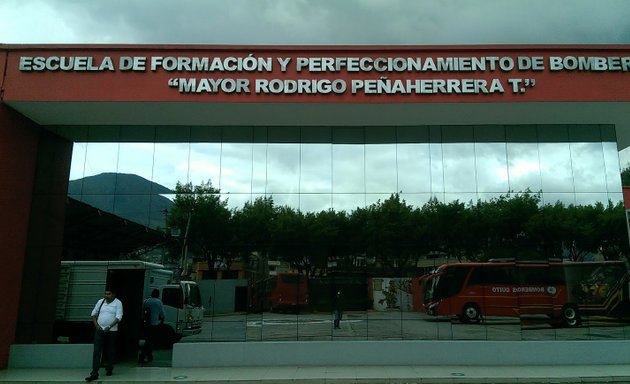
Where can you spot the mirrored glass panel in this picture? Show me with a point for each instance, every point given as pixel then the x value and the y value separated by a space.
pixel 348 201
pixel 283 169
pixel 346 169
pixel 316 168
pixel 459 167
pixel 348 166
pixel 315 202
pixel 204 164
pixel 136 159
pixel 236 168
pixel 437 168
pixel 101 158
pixel 170 164
pixel 380 168
pixel 555 167
pixel 491 167
pixel 259 168
pixel 613 170
pixel 413 163
pixel 77 166
pixel 588 167
pixel 523 167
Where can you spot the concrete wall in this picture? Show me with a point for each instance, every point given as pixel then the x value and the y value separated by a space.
pixel 51 356
pixel 392 293
pixel 222 293
pixel 329 353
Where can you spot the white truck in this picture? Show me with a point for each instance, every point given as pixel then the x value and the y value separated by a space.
pixel 82 283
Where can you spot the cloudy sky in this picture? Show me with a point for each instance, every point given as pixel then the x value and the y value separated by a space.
pixel 374 22
pixel 316 21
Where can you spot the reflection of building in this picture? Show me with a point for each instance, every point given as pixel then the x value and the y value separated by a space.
pixel 626 200
pixel 219 272
pixel 340 128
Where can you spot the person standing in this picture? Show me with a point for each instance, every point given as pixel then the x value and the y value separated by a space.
pixel 106 315
pixel 155 309
pixel 338 309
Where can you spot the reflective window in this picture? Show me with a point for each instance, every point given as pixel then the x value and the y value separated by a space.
pixel 613 169
pixel 204 164
pixel 589 172
pixel 492 170
pixel 283 168
pixel 316 168
pixel 343 169
pixel 236 168
pixel 170 164
pixel 523 167
pixel 348 168
pixel 345 173
pixel 413 165
pixel 380 161
pixel 555 167
pixel 459 167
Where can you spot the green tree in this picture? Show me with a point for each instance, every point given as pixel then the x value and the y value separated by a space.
pixel 550 230
pixel 324 238
pixel 447 226
pixel 252 230
pixel 289 238
pixel 204 223
pixel 390 234
pixel 625 177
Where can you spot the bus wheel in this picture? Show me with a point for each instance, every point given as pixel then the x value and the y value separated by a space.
pixel 570 315
pixel 470 314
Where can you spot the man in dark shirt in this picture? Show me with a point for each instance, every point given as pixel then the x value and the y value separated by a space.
pixel 155 316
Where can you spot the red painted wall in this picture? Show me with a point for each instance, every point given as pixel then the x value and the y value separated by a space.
pixel 626 197
pixel 146 85
pixel 18 152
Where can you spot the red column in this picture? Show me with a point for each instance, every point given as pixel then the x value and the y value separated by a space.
pixel 18 153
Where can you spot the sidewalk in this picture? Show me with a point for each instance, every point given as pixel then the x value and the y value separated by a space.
pixel 335 374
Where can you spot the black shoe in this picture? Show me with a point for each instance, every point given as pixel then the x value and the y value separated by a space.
pixel 109 373
pixel 92 377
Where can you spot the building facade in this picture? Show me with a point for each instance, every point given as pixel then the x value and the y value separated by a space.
pixel 317 128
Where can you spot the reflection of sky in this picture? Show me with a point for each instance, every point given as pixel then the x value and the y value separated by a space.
pixel 523 167
pixel 314 177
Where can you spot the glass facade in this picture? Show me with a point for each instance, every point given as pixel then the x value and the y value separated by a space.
pixel 322 168
pixel 315 169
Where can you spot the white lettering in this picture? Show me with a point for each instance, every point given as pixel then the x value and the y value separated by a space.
pixel 302 86
pixel 426 86
pixel 582 63
pixel 215 64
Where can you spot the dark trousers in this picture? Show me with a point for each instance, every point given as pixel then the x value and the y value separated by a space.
pixel 105 348
pixel 149 343
pixel 338 315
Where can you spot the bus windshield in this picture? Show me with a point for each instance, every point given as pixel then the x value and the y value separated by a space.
pixel 447 283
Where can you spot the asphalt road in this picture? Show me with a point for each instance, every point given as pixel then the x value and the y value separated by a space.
pixel 395 325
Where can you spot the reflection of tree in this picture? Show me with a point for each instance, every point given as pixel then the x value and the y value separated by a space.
pixel 208 231
pixel 390 295
pixel 392 234
pixel 251 230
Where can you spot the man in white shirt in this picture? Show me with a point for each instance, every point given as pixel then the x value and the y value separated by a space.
pixel 106 315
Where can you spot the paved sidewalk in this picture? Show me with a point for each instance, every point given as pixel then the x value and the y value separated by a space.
pixel 335 374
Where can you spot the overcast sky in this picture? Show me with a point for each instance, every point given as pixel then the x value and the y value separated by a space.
pixel 316 21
